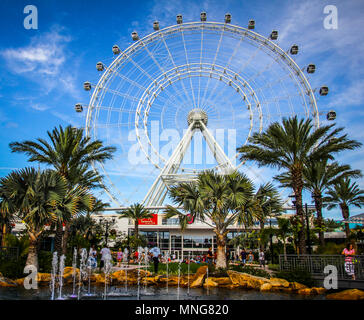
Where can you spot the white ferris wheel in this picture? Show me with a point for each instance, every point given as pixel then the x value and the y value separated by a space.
pixel 211 83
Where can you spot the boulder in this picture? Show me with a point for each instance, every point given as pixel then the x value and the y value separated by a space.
pixel 311 291
pixel 277 282
pixel 200 274
pixel 210 283
pixel 5 282
pixel 20 282
pixel 350 294
pixel 266 287
pixel 221 281
pixel 297 286
pixel 246 280
pixel 43 278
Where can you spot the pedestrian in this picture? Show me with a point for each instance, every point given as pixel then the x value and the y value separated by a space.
pixel 243 256
pixel 261 258
pixel 105 255
pixel 119 257
pixel 250 257
pixel 209 256
pixel 92 257
pixel 136 256
pixel 156 253
pixel 349 263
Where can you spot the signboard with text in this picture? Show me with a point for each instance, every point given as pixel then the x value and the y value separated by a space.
pixel 149 221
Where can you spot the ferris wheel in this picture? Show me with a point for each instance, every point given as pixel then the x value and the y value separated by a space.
pixel 195 91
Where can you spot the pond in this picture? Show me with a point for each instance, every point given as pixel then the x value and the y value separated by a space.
pixel 152 293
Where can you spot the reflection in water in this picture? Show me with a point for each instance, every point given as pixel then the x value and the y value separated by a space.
pixel 154 293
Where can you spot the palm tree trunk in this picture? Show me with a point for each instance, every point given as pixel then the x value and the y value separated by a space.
pixel 58 238
pixel 221 247
pixel 297 184
pixel 261 222
pixel 65 238
pixel 32 258
pixel 3 234
pixel 284 249
pixel 318 206
pixel 345 214
pixel 136 229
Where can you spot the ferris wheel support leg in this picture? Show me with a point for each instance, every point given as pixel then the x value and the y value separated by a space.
pixel 219 154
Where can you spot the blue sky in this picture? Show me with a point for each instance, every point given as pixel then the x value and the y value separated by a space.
pixel 43 70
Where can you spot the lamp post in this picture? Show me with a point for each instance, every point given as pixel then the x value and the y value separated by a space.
pixel 107 225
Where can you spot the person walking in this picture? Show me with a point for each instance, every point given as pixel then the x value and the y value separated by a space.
pixel 105 255
pixel 261 258
pixel 92 256
pixel 250 257
pixel 243 256
pixel 156 253
pixel 349 257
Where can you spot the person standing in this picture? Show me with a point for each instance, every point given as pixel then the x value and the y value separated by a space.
pixel 119 257
pixel 105 255
pixel 243 257
pixel 349 264
pixel 92 256
pixel 261 258
pixel 209 256
pixel 250 257
pixel 156 253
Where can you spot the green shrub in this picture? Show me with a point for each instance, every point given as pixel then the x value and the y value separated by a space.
pixel 300 276
pixel 13 268
pixel 331 248
pixel 251 270
pixel 274 267
pixel 45 261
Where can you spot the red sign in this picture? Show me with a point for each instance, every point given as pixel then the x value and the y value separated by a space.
pixel 189 219
pixel 149 221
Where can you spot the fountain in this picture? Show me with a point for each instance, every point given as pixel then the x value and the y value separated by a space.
pixel 188 273
pixel 179 276
pixel 60 278
pixel 74 266
pixel 54 273
pixel 82 270
pixel 139 258
pixel 167 257
pixel 107 270
pixel 146 269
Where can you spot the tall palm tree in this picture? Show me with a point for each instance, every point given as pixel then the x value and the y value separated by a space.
pixel 71 154
pixel 282 232
pixel 33 196
pixel 344 194
pixel 290 146
pixel 217 200
pixel 318 176
pixel 6 214
pixel 136 212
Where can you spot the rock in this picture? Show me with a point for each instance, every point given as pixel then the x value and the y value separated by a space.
pixel 43 278
pixel 311 291
pixel 199 277
pixel 266 287
pixel 5 282
pixel 277 282
pixel 20 282
pixel 297 286
pixel 350 294
pixel 246 280
pixel 222 281
pixel 210 283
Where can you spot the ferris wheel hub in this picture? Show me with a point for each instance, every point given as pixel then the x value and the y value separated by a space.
pixel 197 115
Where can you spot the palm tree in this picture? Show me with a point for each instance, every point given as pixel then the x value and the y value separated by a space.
pixel 6 215
pixel 318 176
pixel 136 212
pixel 217 200
pixel 266 202
pixel 282 232
pixel 344 193
pixel 71 154
pixel 291 145
pixel 33 195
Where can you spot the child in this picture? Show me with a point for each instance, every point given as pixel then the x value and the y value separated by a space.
pixel 119 257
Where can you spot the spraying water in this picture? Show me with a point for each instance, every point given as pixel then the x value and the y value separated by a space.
pixel 146 268
pixel 107 270
pixel 82 273
pixel 125 262
pixel 188 273
pixel 54 273
pixel 74 266
pixel 139 254
pixel 179 276
pixel 61 270
pixel 167 256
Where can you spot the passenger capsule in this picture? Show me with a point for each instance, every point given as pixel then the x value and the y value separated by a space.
pixel 87 86
pixel 331 115
pixel 135 36
pixel 156 25
pixel 78 107
pixel 115 49
pixel 99 66
pixel 228 18
pixel 294 49
pixel 251 24
pixel 324 90
pixel 274 35
pixel 311 68
pixel 179 19
pixel 203 16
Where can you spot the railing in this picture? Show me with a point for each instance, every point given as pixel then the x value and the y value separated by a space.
pixel 315 264
pixel 7 253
